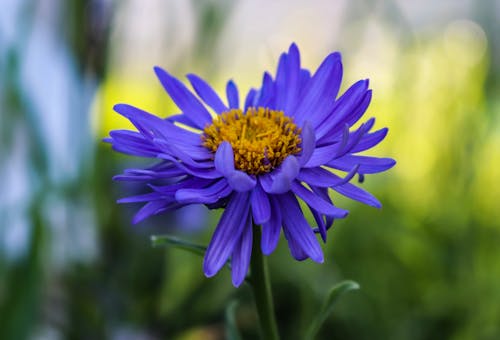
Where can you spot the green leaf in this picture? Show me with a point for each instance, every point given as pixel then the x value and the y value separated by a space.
pixel 327 307
pixel 167 240
pixel 172 241
pixel 232 332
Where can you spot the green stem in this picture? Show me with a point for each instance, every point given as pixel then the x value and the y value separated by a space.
pixel 262 289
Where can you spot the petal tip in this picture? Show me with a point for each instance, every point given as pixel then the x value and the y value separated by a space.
pixel 208 271
pixel 237 281
pixel 136 219
pixel 158 70
pixel 293 48
pixel 374 202
pixel 240 181
pixel 344 214
pixel 119 107
pixel 334 58
pixel 262 221
pixel 318 257
pixel 266 250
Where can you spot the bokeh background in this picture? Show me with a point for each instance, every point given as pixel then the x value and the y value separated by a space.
pixel 72 266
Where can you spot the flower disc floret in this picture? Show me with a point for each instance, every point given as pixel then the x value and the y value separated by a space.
pixel 261 138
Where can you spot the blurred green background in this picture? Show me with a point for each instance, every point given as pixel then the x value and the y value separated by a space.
pixel 73 267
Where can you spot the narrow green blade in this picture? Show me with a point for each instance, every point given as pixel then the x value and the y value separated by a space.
pixel 167 240
pixel 232 332
pixel 327 308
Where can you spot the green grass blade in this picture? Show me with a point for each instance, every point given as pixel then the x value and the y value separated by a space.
pixel 171 241
pixel 327 308
pixel 232 332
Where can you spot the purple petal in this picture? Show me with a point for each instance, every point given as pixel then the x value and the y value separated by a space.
pixel 354 138
pixel 152 126
pixel 193 155
pixel 241 254
pixel 251 96
pixel 279 181
pixel 224 163
pixel 345 138
pixel 150 209
pixel 361 108
pixel 320 222
pixel 232 95
pixel 323 178
pixel 266 94
pixel 281 83
pixel 224 158
pixel 323 193
pixel 207 195
pixel 149 174
pixel 135 151
pixel 241 181
pixel 370 140
pixel 367 164
pixel 297 230
pixel 305 76
pixel 261 208
pixel 144 121
pixel 205 91
pixel 177 154
pixel 186 183
pixel 292 78
pixel 132 143
pixel 321 90
pixel 179 118
pixel 152 196
pixel 316 202
pixel 358 194
pixel 198 172
pixel 178 135
pixel 322 155
pixel 352 103
pixel 308 143
pixel 271 229
pixel 195 152
pixel 339 145
pixel 184 99
pixel 295 248
pixel 231 225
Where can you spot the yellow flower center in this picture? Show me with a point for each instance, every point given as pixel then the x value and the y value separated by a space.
pixel 261 138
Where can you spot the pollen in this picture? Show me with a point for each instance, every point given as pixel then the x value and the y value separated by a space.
pixel 261 138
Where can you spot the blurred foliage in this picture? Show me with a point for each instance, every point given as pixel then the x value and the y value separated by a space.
pixel 428 263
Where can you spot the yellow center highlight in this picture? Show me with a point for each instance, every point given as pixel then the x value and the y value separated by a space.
pixel 261 138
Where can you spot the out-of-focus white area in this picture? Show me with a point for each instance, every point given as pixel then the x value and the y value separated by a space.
pixel 54 118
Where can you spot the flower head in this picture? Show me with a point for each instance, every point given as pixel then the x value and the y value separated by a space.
pixel 258 159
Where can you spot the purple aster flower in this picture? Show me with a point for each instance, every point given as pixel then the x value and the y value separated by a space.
pixel 258 159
